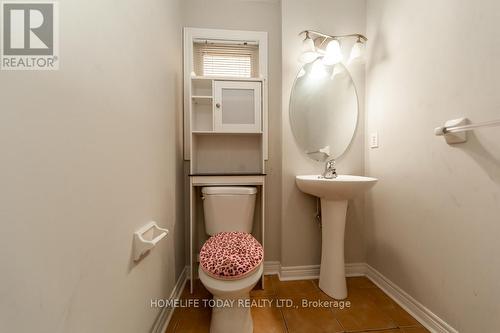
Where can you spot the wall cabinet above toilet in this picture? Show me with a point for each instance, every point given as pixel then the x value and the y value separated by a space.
pixel 225 101
pixel 226 106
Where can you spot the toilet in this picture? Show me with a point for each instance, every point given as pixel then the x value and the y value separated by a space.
pixel 231 260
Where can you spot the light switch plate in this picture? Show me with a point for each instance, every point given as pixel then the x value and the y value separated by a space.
pixel 374 140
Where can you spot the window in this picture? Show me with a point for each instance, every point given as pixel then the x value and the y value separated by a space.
pixel 227 65
pixel 224 59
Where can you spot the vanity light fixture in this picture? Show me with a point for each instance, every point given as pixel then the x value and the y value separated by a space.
pixel 313 47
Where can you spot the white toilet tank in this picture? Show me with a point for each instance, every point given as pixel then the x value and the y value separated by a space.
pixel 228 208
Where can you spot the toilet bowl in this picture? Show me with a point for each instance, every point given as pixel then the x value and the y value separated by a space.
pixel 231 261
pixel 235 315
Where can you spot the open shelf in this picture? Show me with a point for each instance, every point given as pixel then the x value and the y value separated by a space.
pixel 221 153
pixel 225 133
pixel 203 116
pixel 201 88
pixel 202 99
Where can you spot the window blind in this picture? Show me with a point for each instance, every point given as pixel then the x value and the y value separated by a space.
pixel 230 60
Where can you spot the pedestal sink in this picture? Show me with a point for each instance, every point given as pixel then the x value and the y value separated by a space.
pixel 334 195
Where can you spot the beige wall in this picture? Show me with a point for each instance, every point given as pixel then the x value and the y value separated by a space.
pixel 433 219
pixel 89 154
pixel 300 235
pixel 254 15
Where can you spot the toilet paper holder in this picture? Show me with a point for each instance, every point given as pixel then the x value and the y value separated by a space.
pixel 146 238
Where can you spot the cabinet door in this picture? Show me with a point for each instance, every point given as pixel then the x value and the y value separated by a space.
pixel 237 106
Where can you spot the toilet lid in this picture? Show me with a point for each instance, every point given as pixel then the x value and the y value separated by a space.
pixel 231 255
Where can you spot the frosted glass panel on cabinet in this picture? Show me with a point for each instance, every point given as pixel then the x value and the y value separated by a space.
pixel 238 106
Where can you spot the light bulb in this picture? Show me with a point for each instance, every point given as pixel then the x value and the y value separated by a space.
pixel 309 53
pixel 357 51
pixel 318 70
pixel 333 53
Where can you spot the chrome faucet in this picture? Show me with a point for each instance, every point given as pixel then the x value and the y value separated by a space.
pixel 330 171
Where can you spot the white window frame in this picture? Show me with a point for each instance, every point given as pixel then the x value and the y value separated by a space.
pixel 240 51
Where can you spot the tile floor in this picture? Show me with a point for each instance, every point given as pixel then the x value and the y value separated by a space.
pixel 371 310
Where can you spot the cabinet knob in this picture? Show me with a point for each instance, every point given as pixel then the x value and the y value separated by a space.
pixel 217 105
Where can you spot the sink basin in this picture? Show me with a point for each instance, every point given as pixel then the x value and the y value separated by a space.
pixel 344 187
pixel 334 195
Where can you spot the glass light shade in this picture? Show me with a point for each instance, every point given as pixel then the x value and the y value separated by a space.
pixel 318 70
pixel 309 53
pixel 333 53
pixel 357 51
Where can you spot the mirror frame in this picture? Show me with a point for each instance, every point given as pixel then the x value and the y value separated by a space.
pixel 355 128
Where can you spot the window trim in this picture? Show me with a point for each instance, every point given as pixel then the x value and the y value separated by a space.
pixel 216 49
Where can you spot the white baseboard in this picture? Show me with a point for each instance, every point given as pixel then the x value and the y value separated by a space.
pixel 166 313
pixel 289 273
pixel 355 269
pixel 425 316
pixel 308 272
pixel 272 267
pixel 301 272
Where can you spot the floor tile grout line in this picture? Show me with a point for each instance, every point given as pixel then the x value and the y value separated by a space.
pixel 339 322
pixel 176 325
pixel 284 320
pixel 371 330
pixel 280 310
pixel 314 284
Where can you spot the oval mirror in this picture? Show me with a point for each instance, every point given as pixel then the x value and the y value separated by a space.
pixel 323 110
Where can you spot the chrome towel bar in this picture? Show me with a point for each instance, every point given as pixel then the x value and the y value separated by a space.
pixel 455 130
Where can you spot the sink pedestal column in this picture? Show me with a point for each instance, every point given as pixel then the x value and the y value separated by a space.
pixel 332 270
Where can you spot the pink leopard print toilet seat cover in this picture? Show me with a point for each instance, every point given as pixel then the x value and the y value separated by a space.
pixel 231 255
